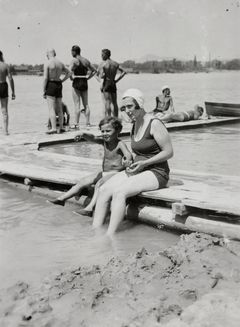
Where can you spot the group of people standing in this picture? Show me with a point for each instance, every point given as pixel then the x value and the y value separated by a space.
pixel 80 71
pixel 124 173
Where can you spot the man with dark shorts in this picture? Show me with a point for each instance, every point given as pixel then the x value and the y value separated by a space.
pixel 4 74
pixel 107 71
pixel 52 89
pixel 79 68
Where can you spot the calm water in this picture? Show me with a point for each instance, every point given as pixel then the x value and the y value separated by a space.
pixel 211 150
pixel 29 111
pixel 37 239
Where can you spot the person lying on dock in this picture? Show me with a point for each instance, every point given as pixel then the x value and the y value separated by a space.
pixel 164 101
pixel 66 118
pixel 152 146
pixel 116 158
pixel 182 116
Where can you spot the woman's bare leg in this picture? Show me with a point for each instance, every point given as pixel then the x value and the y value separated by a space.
pixel 136 184
pixel 104 198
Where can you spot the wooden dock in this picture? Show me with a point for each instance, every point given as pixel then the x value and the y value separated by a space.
pixel 191 202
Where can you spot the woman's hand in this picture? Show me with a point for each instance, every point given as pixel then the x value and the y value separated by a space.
pixel 136 167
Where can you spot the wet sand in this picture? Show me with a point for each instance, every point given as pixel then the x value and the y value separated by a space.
pixel 194 283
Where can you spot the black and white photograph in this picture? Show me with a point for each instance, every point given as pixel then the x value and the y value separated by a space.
pixel 119 163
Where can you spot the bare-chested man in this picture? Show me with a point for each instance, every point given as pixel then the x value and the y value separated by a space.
pixel 4 74
pixel 108 70
pixel 164 101
pixel 52 89
pixel 80 67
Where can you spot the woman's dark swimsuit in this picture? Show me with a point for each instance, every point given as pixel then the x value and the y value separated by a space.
pixel 147 148
pixel 80 84
pixel 3 90
pixel 54 89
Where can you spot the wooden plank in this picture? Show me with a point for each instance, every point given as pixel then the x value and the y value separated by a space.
pixel 64 176
pixel 203 194
pixel 201 123
pixel 159 217
pixel 218 228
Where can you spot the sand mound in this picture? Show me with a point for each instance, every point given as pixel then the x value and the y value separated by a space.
pixel 194 283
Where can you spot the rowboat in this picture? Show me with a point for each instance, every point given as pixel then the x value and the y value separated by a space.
pixel 222 109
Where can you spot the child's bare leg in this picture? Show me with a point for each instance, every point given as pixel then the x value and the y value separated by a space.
pixel 92 204
pixel 74 190
pixel 70 193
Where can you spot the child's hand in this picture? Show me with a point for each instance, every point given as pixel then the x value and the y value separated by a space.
pixel 126 162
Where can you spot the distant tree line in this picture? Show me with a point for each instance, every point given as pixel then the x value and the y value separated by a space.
pixel 153 67
pixel 177 66
pixel 27 69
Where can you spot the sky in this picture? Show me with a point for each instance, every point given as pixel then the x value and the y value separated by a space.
pixel 131 29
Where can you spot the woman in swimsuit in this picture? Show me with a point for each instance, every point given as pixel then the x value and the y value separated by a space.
pixel 152 146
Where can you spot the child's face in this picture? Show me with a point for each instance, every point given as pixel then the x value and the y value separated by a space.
pixel 108 133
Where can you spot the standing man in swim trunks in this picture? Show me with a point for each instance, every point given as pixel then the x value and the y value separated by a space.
pixel 52 89
pixel 164 102
pixel 107 71
pixel 79 68
pixel 181 116
pixel 4 73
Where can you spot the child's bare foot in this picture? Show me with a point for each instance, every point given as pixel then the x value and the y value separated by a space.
pixel 57 202
pixel 84 212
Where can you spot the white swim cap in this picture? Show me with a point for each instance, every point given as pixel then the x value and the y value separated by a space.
pixel 165 87
pixel 136 95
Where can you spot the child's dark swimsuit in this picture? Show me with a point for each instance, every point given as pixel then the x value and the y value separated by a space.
pixel 112 160
pixel 54 89
pixel 147 148
pixel 80 84
pixel 3 90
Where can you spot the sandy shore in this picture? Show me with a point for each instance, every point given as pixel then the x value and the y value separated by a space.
pixel 194 283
